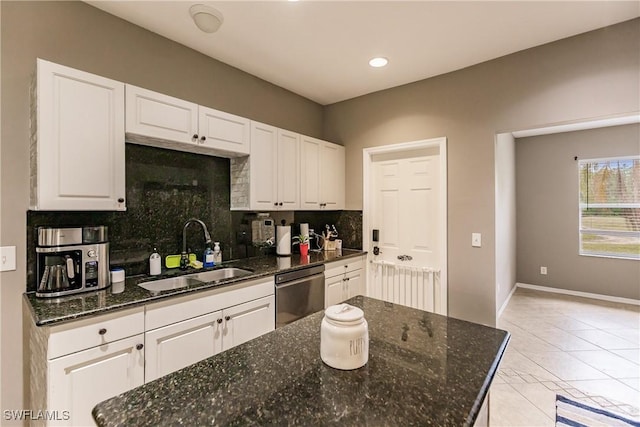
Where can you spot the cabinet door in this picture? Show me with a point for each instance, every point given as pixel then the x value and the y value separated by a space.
pixel 288 170
pixel 79 157
pixel 154 115
pixel 334 292
pixel 181 344
pixel 333 176
pixel 247 321
pixel 224 132
pixel 263 163
pixel 355 283
pixel 310 149
pixel 79 381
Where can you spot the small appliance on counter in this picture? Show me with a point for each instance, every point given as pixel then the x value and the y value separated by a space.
pixel 71 260
pixel 263 230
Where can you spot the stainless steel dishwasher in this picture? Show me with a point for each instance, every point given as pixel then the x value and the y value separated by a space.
pixel 298 294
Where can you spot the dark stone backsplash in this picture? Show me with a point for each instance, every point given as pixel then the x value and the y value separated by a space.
pixel 348 224
pixel 164 189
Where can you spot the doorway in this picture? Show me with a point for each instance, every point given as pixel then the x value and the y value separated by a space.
pixel 405 201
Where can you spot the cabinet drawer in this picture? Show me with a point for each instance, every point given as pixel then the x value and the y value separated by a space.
pixel 341 267
pixel 75 336
pixel 179 309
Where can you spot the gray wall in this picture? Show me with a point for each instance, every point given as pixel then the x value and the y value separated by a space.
pixel 505 217
pixel 587 76
pixel 80 36
pixel 547 212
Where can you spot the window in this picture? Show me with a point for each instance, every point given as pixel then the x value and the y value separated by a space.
pixel 610 207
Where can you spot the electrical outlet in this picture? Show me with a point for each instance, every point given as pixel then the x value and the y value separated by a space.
pixel 543 270
pixel 476 240
pixel 7 258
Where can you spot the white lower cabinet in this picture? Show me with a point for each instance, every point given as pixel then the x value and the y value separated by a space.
pixel 78 364
pixel 179 345
pixel 79 381
pixel 184 343
pixel 247 321
pixel 343 280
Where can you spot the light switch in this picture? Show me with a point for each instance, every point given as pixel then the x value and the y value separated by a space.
pixel 476 240
pixel 7 258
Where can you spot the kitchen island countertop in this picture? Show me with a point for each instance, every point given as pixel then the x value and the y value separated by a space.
pixel 423 369
pixel 56 310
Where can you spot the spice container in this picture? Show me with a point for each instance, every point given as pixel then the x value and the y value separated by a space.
pixel 344 337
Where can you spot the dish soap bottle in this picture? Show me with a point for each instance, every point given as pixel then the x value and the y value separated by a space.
pixel 209 257
pixel 154 263
pixel 217 252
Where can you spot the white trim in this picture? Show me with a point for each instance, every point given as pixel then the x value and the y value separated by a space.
pixel 583 125
pixel 367 159
pixel 506 302
pixel 610 298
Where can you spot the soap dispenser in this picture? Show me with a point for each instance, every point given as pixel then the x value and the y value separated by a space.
pixel 217 252
pixel 154 263
pixel 208 258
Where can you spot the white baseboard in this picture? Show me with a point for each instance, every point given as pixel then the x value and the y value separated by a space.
pixel 504 305
pixel 578 294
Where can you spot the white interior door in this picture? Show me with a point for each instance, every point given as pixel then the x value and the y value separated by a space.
pixel 405 201
pixel 406 210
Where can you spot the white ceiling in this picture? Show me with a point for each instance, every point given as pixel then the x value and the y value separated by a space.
pixel 320 49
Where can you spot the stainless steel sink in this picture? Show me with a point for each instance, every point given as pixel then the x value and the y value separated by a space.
pixel 221 274
pixel 194 279
pixel 170 283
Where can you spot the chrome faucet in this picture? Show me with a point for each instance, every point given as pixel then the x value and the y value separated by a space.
pixel 184 258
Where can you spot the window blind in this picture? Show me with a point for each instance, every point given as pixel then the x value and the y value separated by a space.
pixel 610 207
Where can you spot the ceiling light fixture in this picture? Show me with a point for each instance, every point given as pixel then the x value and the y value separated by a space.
pixel 378 62
pixel 206 18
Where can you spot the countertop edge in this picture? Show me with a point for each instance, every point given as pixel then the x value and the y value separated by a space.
pixel 484 391
pixel 148 299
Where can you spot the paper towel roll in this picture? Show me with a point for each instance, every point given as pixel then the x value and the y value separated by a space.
pixel 304 229
pixel 283 234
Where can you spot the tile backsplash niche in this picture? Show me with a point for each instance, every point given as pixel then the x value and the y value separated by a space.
pixel 164 189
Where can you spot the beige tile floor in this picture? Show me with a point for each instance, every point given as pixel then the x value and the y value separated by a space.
pixel 584 349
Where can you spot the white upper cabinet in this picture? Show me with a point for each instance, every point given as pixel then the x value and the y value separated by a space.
pixel 154 115
pixel 263 161
pixel 164 121
pixel 322 173
pixel 77 156
pixel 288 170
pixel 224 131
pixel 269 178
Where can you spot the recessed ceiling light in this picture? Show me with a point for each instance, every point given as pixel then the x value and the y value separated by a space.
pixel 378 62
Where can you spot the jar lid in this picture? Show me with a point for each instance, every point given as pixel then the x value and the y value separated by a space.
pixel 344 313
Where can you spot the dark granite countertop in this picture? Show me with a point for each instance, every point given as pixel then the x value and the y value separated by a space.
pixel 423 369
pixel 50 311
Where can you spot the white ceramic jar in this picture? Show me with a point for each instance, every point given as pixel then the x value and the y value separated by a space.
pixel 344 337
